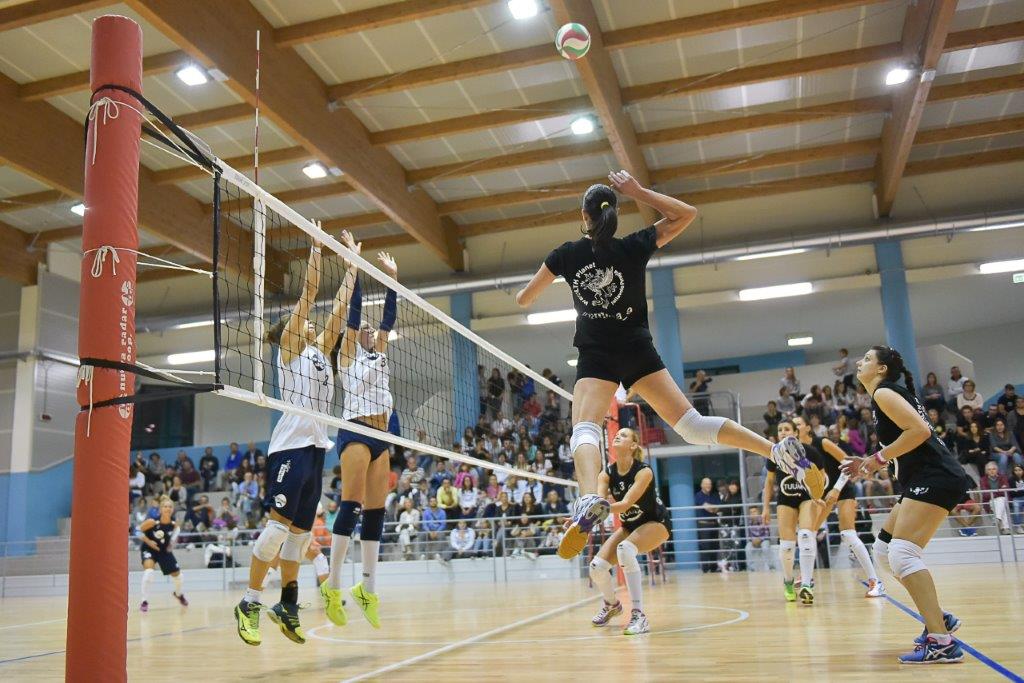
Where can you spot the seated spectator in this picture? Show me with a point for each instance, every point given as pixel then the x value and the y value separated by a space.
pixel 844 396
pixel 516 487
pixel 178 494
pixel 155 467
pixel 330 514
pixel 141 512
pixel 786 403
pixel 553 505
pixel 932 395
pixel 1016 496
pixel 1015 420
pixel 879 487
pixel 501 425
pixel 136 483
pixel 791 384
pixel 226 514
pixel 208 468
pixel 201 514
pixel 218 555
pixel 938 426
pixel 524 537
pixel 529 506
pixel 966 517
pixel 448 499
pixel 466 471
pixel 552 538
pixel 433 521
pixel 759 540
pixel 993 487
pixel 408 528
pixel 861 399
pixel 867 424
pixel 492 446
pixel 503 507
pixel 461 543
pixel 495 392
pixel 493 487
pixel 955 385
pixel 252 453
pixel 469 497
pixel 817 428
pixel 1004 446
pixel 182 458
pixel 190 478
pixel 260 465
pixel 551 377
pixel 988 418
pixel 321 533
pixel 964 419
pixel 552 412
pixel 234 459
pixel 828 405
pixel 532 407
pixel 247 497
pixel 393 501
pixel 547 454
pixel 772 417
pixel 974 450
pixel 567 466
pixel 412 469
pixel 854 439
pixel 969 397
pixel 1008 399
pixel 484 537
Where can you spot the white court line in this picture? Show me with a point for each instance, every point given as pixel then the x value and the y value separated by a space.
pixel 469 641
pixel 33 623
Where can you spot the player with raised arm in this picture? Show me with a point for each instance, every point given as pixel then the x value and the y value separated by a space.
pixel 157 538
pixel 629 483
pixel 607 278
pixel 297 447
pixel 360 357
pixel 933 483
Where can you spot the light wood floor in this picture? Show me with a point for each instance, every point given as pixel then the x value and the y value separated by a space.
pixel 705 627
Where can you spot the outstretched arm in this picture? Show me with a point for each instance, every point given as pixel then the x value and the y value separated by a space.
pixel 390 313
pixel 294 334
pixel 347 352
pixel 535 287
pixel 677 214
pixel 329 337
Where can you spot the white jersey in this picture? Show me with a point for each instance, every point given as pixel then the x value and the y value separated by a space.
pixel 366 382
pixel 305 382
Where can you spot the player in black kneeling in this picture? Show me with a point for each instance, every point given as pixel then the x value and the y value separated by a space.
pixel 629 482
pixel 157 537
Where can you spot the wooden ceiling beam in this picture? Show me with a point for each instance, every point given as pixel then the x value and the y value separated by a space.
pixel 957 162
pixel 970 131
pixel 47 237
pixel 293 98
pixel 244 162
pixel 924 33
pixel 30 13
pixel 217 116
pixel 602 85
pixel 30 200
pixel 502 162
pixel 369 19
pixel 17 262
pixel 69 83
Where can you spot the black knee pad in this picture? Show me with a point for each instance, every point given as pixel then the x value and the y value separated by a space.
pixel 884 536
pixel 373 525
pixel 348 515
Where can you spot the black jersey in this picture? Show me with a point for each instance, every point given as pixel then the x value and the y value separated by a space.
pixel 788 485
pixel 931 459
pixel 161 535
pixel 648 508
pixel 609 293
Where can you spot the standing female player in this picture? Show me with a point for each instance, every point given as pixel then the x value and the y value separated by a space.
pixel 628 481
pixel 297 447
pixel 361 359
pixel 795 510
pixel 607 278
pixel 157 535
pixel 933 483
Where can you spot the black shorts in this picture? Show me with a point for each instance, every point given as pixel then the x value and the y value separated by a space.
pixel 294 481
pixel 168 563
pixel 792 492
pixel 945 492
pixel 623 366
pixel 660 517
pixel 792 501
pixel 848 492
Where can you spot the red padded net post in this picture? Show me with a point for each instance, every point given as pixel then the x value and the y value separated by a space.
pixel 98 591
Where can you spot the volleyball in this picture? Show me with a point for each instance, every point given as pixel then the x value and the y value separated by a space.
pixel 572 41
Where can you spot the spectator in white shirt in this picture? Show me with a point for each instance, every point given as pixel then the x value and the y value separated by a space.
pixel 968 397
pixel 408 527
pixel 792 384
pixel 461 543
pixel 955 385
pixel 501 425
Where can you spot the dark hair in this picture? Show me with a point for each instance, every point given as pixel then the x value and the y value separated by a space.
pixel 273 335
pixel 893 362
pixel 789 422
pixel 600 204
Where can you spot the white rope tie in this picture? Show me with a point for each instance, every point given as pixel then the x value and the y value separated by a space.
pixel 85 375
pixel 111 110
pixel 100 258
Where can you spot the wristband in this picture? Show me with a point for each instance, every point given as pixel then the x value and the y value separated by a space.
pixel 841 482
pixel 880 459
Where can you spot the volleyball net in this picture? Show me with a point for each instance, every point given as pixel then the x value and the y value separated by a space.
pixel 441 376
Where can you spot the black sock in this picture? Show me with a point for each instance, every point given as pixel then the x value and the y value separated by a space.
pixel 290 592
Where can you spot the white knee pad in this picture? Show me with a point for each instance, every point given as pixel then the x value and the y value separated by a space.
pixel 585 433
pixel 321 566
pixel 905 558
pixel 848 536
pixel 787 546
pixel 295 546
pixel 270 540
pixel 881 550
pixel 700 430
pixel 599 565
pixel 627 553
pixel 805 539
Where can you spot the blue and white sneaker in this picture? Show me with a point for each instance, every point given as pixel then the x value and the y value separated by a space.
pixel 790 457
pixel 587 511
pixel 933 653
pixel 952 625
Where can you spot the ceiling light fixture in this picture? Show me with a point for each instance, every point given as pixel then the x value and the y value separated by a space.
pixel 776 291
pixel 1001 266
pixel 582 126
pixel 897 76
pixel 191 357
pixel 315 170
pixel 78 209
pixel 799 340
pixel 770 254
pixel 522 9
pixel 572 362
pixel 562 316
pixel 189 326
pixel 192 75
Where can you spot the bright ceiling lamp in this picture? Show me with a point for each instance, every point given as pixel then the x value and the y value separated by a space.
pixel 1001 266
pixel 776 291
pixel 191 357
pixel 192 75
pixel 572 362
pixel 315 171
pixel 582 126
pixel 770 254
pixel 803 339
pixel 563 316
pixel 1004 225
pixel 78 209
pixel 522 9
pixel 189 326
pixel 897 76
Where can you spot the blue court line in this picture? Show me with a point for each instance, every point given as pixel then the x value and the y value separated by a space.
pixel 969 649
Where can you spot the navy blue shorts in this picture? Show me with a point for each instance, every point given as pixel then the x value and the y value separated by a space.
pixel 295 478
pixel 377 447
pixel 168 563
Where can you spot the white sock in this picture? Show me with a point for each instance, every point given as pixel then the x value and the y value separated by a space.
pixel 371 551
pixel 321 566
pixel 252 595
pixel 177 584
pixel 942 638
pixel 147 578
pixel 808 554
pixel 602 578
pixel 339 549
pixel 635 582
pixel 860 551
pixel 787 551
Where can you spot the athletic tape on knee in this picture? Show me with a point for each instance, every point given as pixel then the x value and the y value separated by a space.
pixel 700 430
pixel 881 550
pixel 321 566
pixel 373 525
pixel 292 550
pixel 627 553
pixel 585 433
pixel 905 558
pixel 268 543
pixel 348 515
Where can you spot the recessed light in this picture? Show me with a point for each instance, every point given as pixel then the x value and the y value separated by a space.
pixel 776 291
pixel 572 362
pixel 897 76
pixel 582 126
pixel 315 171
pixel 1001 266
pixel 563 316
pixel 522 9
pixel 191 357
pixel 192 75
pixel 799 340
pixel 78 209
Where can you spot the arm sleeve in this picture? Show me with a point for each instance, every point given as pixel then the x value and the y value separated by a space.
pixel 387 320
pixel 355 307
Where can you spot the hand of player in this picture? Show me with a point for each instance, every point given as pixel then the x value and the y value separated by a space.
pixel 350 242
pixel 618 508
pixel 387 264
pixel 852 466
pixel 625 184
pixel 766 516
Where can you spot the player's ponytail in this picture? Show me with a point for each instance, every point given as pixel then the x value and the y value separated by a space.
pixel 894 366
pixel 601 206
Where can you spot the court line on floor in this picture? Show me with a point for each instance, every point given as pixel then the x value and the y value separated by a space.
pixel 469 641
pixel 970 649
pixel 33 623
